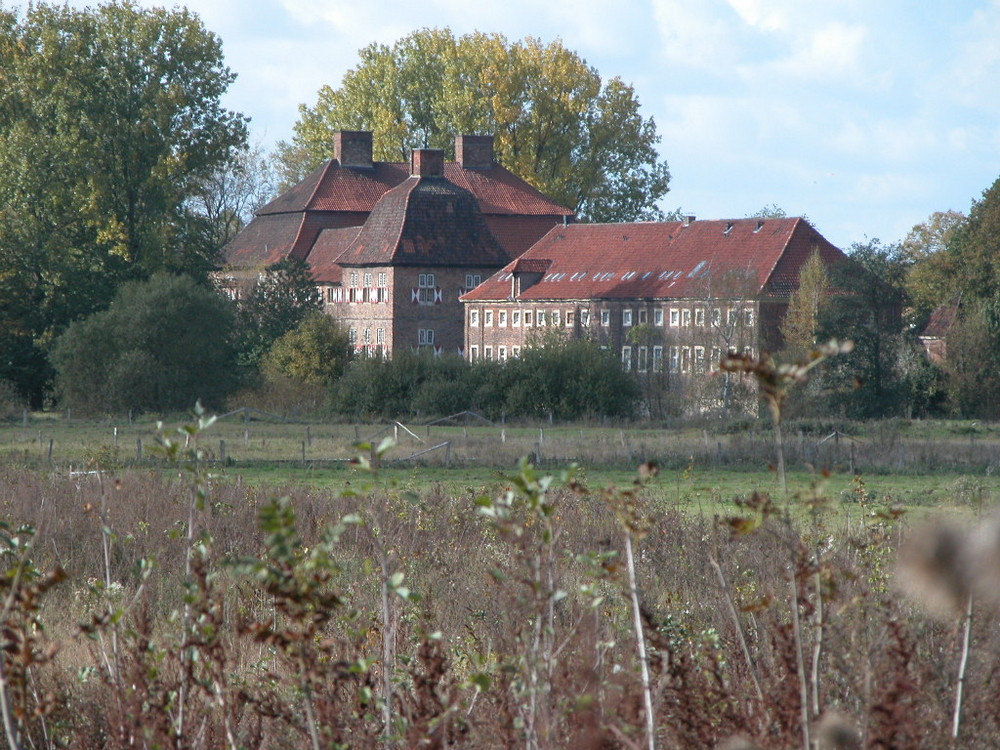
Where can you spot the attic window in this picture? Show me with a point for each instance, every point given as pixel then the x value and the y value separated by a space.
pixel 728 229
pixel 696 269
pixel 760 225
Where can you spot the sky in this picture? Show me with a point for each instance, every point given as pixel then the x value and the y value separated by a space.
pixel 866 116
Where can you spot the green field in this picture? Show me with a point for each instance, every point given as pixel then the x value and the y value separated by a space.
pixel 916 464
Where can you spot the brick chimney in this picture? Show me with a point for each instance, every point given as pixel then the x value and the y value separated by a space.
pixel 427 162
pixel 353 148
pixel 474 151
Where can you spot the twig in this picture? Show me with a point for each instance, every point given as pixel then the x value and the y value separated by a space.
pixel 963 663
pixel 800 663
pixel 739 627
pixel 640 643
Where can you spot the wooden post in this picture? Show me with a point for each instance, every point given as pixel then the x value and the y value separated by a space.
pixel 138 449
pixel 116 437
pixel 538 454
pixel 357 434
pixel 50 451
pixel 541 436
pixel 303 451
pixel 246 438
pixel 503 435
pixel 24 418
pixel 395 433
pixel 447 454
pixel 309 436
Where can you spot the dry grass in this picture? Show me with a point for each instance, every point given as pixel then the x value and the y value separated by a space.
pixel 283 637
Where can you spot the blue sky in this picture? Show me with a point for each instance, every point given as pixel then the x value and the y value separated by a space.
pixel 864 115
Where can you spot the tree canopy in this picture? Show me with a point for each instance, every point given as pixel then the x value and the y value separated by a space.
pixel 163 344
pixel 579 139
pixel 110 120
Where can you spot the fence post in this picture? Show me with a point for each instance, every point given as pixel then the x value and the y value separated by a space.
pixel 116 437
pixel 50 451
pixel 24 418
pixel 309 435
pixel 246 438
pixel 538 454
pixel 138 449
pixel 503 435
pixel 222 451
pixel 303 451
pixel 447 454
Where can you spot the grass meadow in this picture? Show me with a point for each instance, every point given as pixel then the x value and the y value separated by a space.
pixel 249 585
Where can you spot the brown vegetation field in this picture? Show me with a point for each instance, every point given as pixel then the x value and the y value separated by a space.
pixel 170 602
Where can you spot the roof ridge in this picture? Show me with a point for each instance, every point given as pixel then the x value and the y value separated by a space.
pixel 406 213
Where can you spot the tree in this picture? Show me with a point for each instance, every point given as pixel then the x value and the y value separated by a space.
pixel 808 301
pixel 162 345
pixel 934 275
pixel 865 308
pixel 274 304
pixel 587 147
pixel 109 118
pixel 315 352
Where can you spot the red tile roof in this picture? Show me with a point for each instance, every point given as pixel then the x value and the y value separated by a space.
pixel 264 241
pixel 330 244
pixel 664 260
pixel 426 221
pixel 335 188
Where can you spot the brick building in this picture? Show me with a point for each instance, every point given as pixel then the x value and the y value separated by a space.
pixel 667 297
pixel 392 245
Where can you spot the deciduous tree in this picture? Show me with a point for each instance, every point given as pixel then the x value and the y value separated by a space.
pixel 579 139
pixel 163 344
pixel 110 117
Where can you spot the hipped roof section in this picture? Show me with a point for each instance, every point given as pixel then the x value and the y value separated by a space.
pixel 664 260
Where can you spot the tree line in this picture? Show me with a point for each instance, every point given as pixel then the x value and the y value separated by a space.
pixel 123 169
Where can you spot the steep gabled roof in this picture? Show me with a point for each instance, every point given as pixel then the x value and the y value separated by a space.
pixel 664 260
pixel 332 187
pixel 427 221
pixel 329 246
pixel 264 241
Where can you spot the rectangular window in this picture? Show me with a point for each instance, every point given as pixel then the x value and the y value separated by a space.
pixel 675 317
pixel 730 317
pixel 352 335
pixel 488 318
pixel 515 318
pixel 699 316
pixel 585 318
pixel 472 280
pixel 716 358
pixel 627 317
pixel 502 318
pixel 748 317
pixel 539 317
pixel 473 353
pixel 555 318
pixel 368 280
pixel 383 279
pixel 658 316
pixel 367 337
pixel 675 359
pixel 488 353
pixel 640 364
pixel 716 317
pixel 473 317
pixel 657 359
pixel 642 316
pixel 425 337
pixel 354 278
pixel 685 317
pixel 569 318
pixel 626 358
pixel 425 288
pixel 380 336
pixel 605 317
pixel 685 358
pixel 527 318
pixel 699 359
pixel 515 351
pixel 501 354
